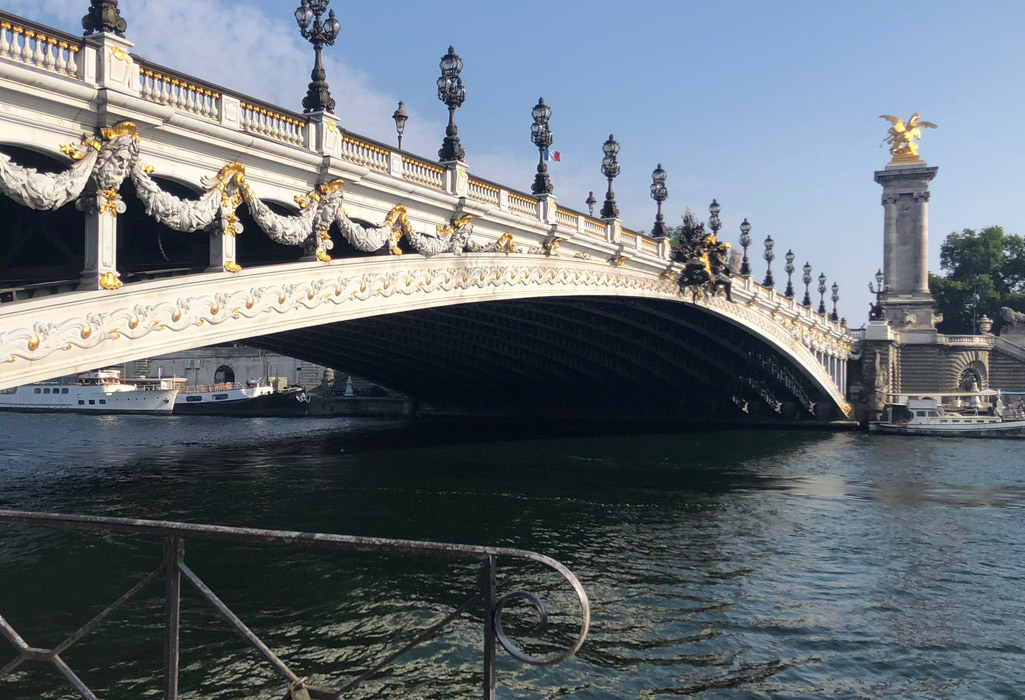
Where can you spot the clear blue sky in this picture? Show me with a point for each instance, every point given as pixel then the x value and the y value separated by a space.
pixel 771 107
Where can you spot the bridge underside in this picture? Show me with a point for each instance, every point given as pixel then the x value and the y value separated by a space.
pixel 583 356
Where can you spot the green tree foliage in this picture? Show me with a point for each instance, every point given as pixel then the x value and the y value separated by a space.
pixel 984 270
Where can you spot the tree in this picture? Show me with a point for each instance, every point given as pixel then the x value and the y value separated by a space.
pixel 984 270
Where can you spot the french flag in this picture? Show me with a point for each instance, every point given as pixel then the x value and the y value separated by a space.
pixel 553 156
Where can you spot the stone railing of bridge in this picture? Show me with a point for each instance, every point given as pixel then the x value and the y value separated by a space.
pixel 57 86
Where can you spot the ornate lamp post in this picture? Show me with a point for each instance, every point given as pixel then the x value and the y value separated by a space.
pixel 590 202
pixel 452 93
pixel 835 296
pixel 806 278
pixel 745 241
pixel 822 293
pixel 610 168
pixel 876 314
pixel 789 269
pixel 321 33
pixel 769 257
pixel 104 16
pixel 660 194
pixel 400 116
pixel 713 218
pixel 541 136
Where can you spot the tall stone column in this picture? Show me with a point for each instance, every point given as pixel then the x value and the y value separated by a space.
pixel 907 301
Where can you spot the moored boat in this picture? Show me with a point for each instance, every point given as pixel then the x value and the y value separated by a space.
pixel 988 414
pixel 233 399
pixel 102 391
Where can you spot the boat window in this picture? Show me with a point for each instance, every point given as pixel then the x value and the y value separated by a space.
pixel 64 390
pixel 219 397
pixel 193 398
pixel 920 414
pixel 37 390
pixel 81 402
pixel 933 414
pixel 46 391
pixel 92 402
pixel 103 401
pixel 956 421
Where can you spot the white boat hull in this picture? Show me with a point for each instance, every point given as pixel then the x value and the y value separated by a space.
pixel 71 398
pixel 994 429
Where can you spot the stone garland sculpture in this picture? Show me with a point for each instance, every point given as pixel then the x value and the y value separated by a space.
pixel 102 167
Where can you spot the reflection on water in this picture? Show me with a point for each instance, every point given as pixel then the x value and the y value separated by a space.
pixel 734 564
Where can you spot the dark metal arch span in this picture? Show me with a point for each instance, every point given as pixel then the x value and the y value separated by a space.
pixel 563 356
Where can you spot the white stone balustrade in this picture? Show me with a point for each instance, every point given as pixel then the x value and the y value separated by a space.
pixel 366 154
pixel 594 227
pixel 179 93
pixel 39 48
pixel 423 173
pixel 275 125
pixel 525 206
pixel 566 218
pixel 483 192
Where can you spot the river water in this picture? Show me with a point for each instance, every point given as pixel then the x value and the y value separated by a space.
pixel 731 564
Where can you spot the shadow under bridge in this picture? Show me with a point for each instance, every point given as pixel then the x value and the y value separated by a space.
pixel 570 356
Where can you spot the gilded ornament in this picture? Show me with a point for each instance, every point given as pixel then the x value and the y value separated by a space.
pixel 122 128
pixel 133 323
pixel 148 169
pixel 618 261
pixel 120 54
pixel 215 309
pixel 109 280
pixel 33 344
pixel 232 267
pixel 250 303
pixel 902 136
pixel 506 243
pixel 333 186
pixel 110 202
pixel 86 332
pixel 552 245
pixel 323 257
pixel 176 316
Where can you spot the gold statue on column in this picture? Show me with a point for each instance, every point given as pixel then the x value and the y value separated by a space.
pixel 902 136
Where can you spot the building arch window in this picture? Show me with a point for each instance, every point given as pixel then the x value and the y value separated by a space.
pixel 224 373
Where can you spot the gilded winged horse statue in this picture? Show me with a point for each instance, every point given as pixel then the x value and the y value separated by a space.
pixel 902 135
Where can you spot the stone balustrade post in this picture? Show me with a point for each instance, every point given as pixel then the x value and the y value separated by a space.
pixel 109 65
pixel 231 112
pixel 395 164
pixel 547 208
pixel 324 136
pixel 613 230
pixel 503 200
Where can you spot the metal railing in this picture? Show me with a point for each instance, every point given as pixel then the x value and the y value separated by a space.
pixel 173 569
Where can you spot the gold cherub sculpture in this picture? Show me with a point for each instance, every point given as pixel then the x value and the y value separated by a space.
pixel 902 136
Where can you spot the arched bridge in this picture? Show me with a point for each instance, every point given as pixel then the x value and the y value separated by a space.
pixel 186 216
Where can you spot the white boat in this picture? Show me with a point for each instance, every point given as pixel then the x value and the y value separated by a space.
pixel 988 413
pixel 93 392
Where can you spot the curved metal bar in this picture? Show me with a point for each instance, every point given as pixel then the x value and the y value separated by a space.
pixel 585 613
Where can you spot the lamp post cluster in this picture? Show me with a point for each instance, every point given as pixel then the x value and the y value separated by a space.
pixel 610 168
pixel 453 94
pixel 320 33
pixel 541 136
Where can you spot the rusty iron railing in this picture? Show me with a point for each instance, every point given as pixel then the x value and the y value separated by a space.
pixel 173 569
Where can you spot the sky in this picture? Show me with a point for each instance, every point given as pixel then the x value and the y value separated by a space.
pixel 771 107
